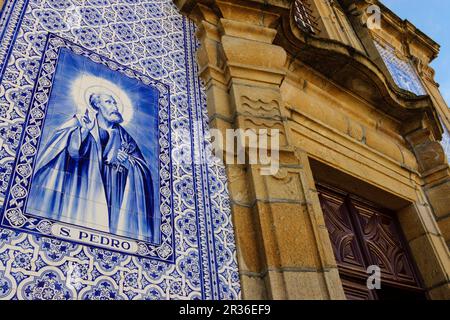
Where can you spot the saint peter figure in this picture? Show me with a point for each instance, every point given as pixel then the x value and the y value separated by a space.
pixel 91 173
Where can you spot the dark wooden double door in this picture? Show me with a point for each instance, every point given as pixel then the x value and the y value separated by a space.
pixel 362 235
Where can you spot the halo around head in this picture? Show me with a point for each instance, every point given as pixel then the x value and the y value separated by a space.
pixel 86 85
pixel 101 90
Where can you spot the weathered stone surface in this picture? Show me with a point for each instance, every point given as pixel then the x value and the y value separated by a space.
pixel 248 239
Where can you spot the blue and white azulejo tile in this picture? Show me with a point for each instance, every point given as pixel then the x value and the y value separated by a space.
pixel 94 96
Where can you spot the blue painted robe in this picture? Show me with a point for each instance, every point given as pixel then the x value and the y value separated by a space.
pixel 92 188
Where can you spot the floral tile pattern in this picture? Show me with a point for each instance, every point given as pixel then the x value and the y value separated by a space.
pixel 401 70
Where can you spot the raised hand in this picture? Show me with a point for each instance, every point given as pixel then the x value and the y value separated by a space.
pixel 86 121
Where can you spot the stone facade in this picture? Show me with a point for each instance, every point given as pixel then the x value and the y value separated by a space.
pixel 346 115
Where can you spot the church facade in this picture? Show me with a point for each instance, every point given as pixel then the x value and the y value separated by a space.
pixel 113 183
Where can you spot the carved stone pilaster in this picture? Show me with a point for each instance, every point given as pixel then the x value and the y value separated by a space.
pixel 283 246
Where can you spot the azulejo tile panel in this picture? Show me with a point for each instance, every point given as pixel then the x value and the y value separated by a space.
pixel 104 188
pixel 402 71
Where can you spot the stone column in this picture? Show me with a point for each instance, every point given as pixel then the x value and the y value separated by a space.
pixel 435 171
pixel 284 251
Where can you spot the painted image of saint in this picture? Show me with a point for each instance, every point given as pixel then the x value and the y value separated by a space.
pixel 92 173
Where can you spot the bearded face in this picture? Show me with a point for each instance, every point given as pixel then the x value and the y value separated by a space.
pixel 107 106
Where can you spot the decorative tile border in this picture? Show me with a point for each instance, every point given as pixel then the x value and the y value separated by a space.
pixel 446 142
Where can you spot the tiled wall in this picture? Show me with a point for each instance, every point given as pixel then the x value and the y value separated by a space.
pixel 144 52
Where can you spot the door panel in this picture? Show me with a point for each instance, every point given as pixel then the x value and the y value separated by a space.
pixel 363 234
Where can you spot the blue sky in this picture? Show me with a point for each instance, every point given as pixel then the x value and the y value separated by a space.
pixel 433 18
